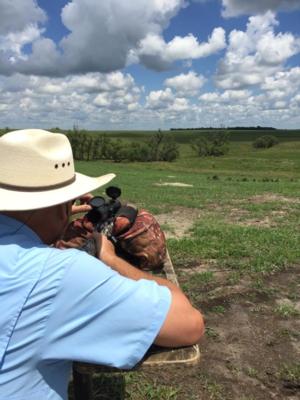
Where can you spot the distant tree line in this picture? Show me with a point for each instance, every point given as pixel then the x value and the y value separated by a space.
pixel 155 147
pixel 239 128
pixel 89 147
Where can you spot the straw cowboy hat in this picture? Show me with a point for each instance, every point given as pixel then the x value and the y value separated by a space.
pixel 37 171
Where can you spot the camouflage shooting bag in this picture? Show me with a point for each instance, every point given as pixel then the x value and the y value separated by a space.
pixel 136 234
pixel 144 241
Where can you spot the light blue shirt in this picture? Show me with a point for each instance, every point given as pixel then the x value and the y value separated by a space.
pixel 63 305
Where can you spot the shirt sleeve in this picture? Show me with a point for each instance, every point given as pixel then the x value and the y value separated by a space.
pixel 101 317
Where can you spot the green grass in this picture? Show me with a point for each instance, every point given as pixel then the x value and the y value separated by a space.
pixel 287 311
pixel 248 226
pixel 131 386
pixel 218 309
pixel 225 232
pixel 254 249
pixel 290 373
pixel 140 388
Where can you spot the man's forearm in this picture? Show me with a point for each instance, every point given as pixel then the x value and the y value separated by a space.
pixel 183 325
pixel 129 271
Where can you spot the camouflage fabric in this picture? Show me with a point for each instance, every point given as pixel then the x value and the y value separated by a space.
pixel 145 241
pixel 79 235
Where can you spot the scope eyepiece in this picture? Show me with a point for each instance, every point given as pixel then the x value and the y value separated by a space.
pixel 97 201
pixel 113 191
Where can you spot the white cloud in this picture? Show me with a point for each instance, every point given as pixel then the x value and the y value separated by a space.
pixel 186 84
pixel 166 105
pixel 95 101
pixel 255 86
pixel 180 104
pixel 256 54
pixel 283 83
pixel 92 99
pixel 228 96
pixel 12 43
pixel 112 29
pixel 155 53
pixel 16 15
pixel 275 49
pixel 233 8
pixel 102 100
pixel 103 36
pixel 295 102
pixel 159 99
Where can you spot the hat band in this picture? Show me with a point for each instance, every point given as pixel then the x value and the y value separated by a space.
pixel 37 188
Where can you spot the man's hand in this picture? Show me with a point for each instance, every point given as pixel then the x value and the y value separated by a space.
pixel 105 248
pixel 83 205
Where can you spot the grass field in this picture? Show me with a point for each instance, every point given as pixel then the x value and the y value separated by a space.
pixel 233 235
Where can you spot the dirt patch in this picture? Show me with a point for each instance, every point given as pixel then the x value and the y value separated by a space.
pixel 239 216
pixel 248 349
pixel 252 344
pixel 177 223
pixel 178 184
pixel 269 197
pixel 265 222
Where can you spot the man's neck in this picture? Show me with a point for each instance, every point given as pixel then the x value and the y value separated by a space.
pixel 29 218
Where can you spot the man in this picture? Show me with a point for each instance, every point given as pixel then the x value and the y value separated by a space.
pixel 63 305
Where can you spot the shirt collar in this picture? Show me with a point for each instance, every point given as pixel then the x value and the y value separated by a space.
pixel 13 226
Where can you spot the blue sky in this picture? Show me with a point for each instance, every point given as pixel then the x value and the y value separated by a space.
pixel 149 64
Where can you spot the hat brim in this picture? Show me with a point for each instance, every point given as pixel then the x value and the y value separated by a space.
pixel 18 200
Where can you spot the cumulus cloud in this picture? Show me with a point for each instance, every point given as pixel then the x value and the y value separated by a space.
pixel 167 105
pixel 114 101
pixel 283 83
pixel 111 29
pixel 186 84
pixel 104 37
pixel 91 99
pixel 228 96
pixel 57 84
pixel 256 54
pixel 12 43
pixel 159 99
pixel 16 15
pixel 274 103
pixel 155 53
pixel 279 91
pixel 233 8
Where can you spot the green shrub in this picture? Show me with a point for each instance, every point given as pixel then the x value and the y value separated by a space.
pixel 116 151
pixel 100 147
pixel 265 142
pixel 214 144
pixel 138 152
pixel 155 144
pixel 169 151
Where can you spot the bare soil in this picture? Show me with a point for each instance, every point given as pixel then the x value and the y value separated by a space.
pixel 251 349
pixel 264 198
pixel 247 347
pixel 177 223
